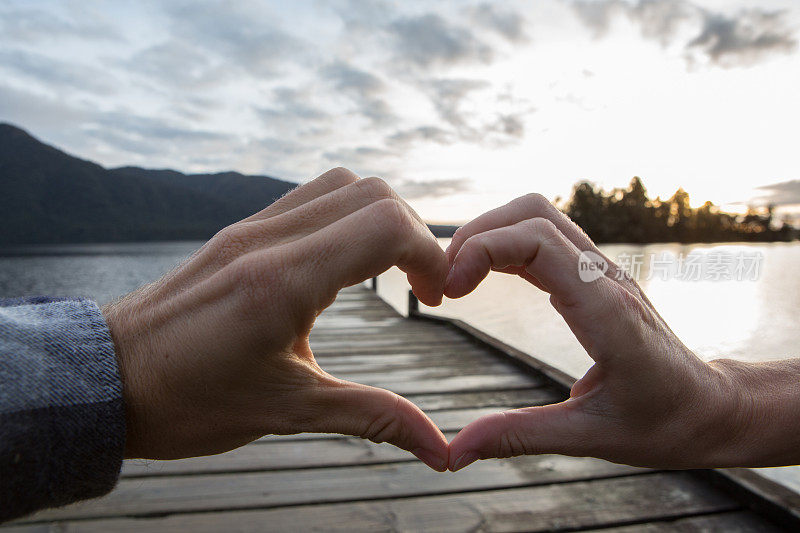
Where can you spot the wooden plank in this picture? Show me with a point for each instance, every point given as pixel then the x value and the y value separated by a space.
pixel 429 373
pixel 381 344
pixel 388 362
pixel 158 495
pixel 390 330
pixel 432 402
pixel 388 348
pixel 730 522
pixel 458 383
pixel 267 455
pixel 546 508
pixel 387 340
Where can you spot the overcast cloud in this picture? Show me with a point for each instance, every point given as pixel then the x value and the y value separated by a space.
pixel 448 101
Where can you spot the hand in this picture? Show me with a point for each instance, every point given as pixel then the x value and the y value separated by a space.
pixel 216 353
pixel 648 400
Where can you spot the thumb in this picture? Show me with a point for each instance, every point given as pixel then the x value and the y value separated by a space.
pixel 557 428
pixel 381 416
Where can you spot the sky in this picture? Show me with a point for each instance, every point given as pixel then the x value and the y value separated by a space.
pixel 459 105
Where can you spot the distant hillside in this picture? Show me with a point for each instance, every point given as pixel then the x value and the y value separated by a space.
pixel 48 196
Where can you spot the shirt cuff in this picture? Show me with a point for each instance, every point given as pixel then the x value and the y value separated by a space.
pixel 62 419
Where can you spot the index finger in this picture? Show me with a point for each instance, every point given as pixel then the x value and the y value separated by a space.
pixel 327 182
pixel 366 243
pixel 523 208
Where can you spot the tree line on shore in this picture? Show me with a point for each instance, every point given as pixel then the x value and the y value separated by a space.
pixel 629 215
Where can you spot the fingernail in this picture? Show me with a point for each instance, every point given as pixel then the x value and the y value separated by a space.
pixel 466 459
pixel 432 459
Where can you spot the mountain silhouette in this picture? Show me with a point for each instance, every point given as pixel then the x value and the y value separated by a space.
pixel 48 196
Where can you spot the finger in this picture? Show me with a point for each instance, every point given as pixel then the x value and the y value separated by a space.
pixel 524 208
pixel 381 416
pixel 520 271
pixel 600 313
pixel 532 246
pixel 558 428
pixel 324 184
pixel 320 212
pixel 365 244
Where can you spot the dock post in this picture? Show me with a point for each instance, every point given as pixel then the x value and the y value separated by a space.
pixel 374 284
pixel 413 304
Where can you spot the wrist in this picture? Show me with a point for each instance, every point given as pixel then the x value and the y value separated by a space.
pixel 123 350
pixel 732 415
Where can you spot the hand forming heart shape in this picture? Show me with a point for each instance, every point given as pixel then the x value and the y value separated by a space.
pixel 216 353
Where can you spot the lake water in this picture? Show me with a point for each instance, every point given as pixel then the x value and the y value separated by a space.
pixel 755 318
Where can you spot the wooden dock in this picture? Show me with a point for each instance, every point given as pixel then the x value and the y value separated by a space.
pixel 333 483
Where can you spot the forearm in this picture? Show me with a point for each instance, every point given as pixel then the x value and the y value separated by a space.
pixel 763 415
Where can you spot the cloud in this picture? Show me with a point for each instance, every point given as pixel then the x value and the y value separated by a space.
pixel 784 193
pixel 126 131
pixel 428 40
pixel 448 95
pixel 406 137
pixel 744 38
pixel 661 19
pixel 363 88
pixel 657 19
pixel 291 107
pixel 239 33
pixel 123 136
pixel 469 123
pixel 418 189
pixel 39 112
pixel 178 64
pixel 360 157
pixel 509 125
pixel 35 25
pixel 501 20
pixel 596 15
pixel 57 75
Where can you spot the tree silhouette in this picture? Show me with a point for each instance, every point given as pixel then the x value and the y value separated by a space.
pixel 628 215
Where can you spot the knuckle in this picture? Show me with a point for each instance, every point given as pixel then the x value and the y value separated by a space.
pixel 391 216
pixel 475 242
pixel 340 175
pixel 461 234
pixel 375 189
pixel 386 425
pixel 510 443
pixel 630 305
pixel 228 243
pixel 543 227
pixel 536 202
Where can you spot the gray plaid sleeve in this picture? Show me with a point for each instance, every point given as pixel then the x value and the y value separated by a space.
pixel 62 423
